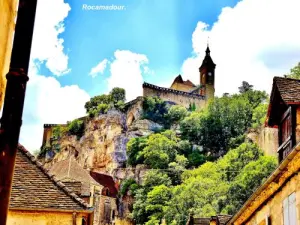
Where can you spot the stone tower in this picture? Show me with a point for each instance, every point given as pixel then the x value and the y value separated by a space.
pixel 207 76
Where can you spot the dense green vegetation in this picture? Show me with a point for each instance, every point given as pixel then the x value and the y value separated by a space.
pixel 102 103
pixel 295 72
pixel 76 127
pixel 228 166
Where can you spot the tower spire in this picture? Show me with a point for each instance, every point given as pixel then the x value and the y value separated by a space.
pixel 207 48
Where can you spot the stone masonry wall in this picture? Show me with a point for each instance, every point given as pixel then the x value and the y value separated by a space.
pixel 180 99
pixel 274 207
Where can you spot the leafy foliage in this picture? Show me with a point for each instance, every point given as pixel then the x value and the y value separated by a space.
pixel 225 118
pixel 128 185
pixel 155 109
pixel 228 167
pixel 76 127
pixel 295 72
pixel 176 113
pixel 259 115
pixel 221 186
pixel 102 103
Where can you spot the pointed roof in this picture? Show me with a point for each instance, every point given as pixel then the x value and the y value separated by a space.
pixel 70 172
pixel 207 61
pixel 285 92
pixel 179 79
pixel 34 188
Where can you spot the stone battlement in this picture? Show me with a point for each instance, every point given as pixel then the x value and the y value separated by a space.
pixel 169 90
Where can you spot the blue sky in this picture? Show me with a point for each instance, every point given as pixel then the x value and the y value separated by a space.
pixel 162 30
pixel 77 54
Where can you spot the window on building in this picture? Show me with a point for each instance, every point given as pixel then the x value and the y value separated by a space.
pixel 285 137
pixel 289 210
pixel 83 221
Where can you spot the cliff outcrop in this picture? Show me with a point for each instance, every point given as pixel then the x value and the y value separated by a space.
pixel 102 148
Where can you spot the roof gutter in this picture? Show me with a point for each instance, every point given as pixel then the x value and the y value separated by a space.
pixel 270 179
pixel 11 120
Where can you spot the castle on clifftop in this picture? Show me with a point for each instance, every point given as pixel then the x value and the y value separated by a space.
pixel 186 93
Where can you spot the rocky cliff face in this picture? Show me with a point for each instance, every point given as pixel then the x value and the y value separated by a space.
pixel 266 138
pixel 102 148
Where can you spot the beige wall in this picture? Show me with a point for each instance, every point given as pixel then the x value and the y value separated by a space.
pixel 273 207
pixel 184 100
pixel 8 10
pixel 42 218
pixel 123 222
pixel 181 87
pixel 113 205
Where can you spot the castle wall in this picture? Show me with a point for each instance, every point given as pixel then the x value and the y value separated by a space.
pixel 175 96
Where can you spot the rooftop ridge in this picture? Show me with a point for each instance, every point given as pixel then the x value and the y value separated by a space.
pixel 52 178
pixel 173 91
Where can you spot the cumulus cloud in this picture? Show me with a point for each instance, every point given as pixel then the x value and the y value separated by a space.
pixel 46 100
pixel 99 69
pixel 253 41
pixel 47 46
pixel 126 72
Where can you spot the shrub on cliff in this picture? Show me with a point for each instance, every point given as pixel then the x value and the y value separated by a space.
pixel 76 127
pixel 102 103
pixel 155 109
pixel 128 185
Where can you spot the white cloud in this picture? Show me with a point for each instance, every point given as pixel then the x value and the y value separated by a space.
pixel 46 100
pixel 99 69
pixel 49 24
pixel 126 72
pixel 253 41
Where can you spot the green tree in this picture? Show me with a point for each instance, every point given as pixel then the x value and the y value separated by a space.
pixel 135 147
pixel 295 72
pixel 159 152
pixel 152 179
pixel 76 127
pixel 225 118
pixel 117 95
pixel 176 113
pixel 236 159
pixel 199 193
pixel 102 103
pixel 248 180
pixel 259 115
pixel 245 87
pixel 155 109
pixel 157 201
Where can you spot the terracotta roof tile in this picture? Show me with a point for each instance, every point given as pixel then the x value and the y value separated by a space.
pixel 223 219
pixel 289 89
pixel 201 221
pixel 68 171
pixel 34 188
